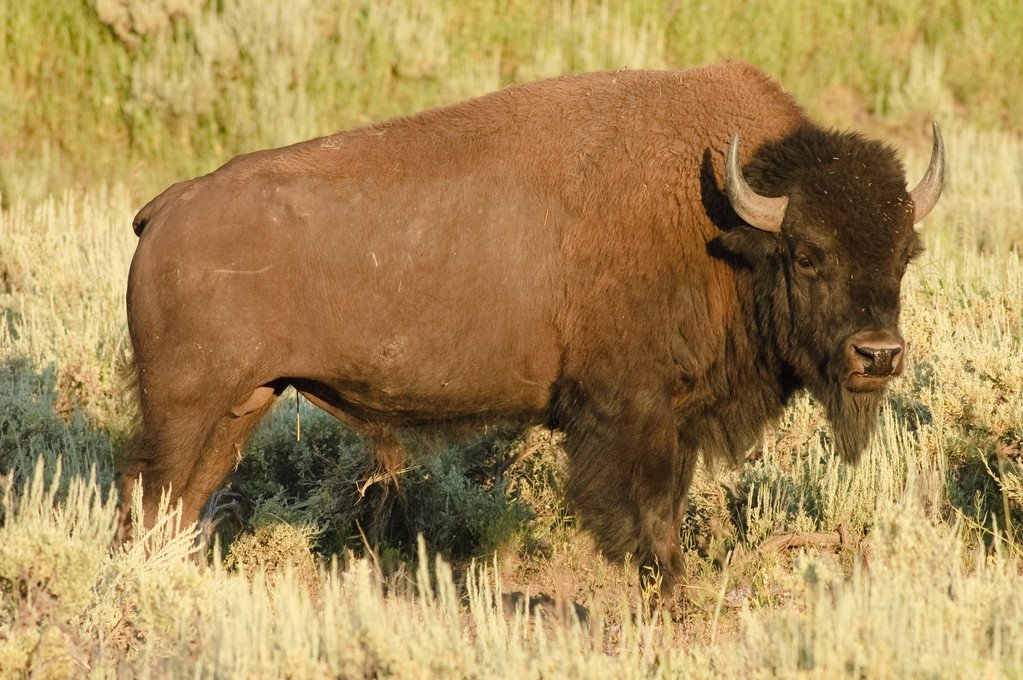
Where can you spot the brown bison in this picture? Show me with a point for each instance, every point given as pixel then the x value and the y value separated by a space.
pixel 653 262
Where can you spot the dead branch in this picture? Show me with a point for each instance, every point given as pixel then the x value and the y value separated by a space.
pixel 797 539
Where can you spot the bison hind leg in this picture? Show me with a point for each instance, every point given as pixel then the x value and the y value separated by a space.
pixel 161 455
pixel 224 447
pixel 187 450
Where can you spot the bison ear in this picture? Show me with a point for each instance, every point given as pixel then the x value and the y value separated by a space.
pixel 751 246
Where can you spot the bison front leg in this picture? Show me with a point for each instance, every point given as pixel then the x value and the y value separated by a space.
pixel 628 478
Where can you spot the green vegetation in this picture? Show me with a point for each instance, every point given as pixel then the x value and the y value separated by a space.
pixel 910 564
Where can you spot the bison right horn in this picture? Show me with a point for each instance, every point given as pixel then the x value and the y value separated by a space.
pixel 925 195
pixel 762 212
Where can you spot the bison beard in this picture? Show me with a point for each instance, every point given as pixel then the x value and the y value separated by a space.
pixel 582 251
pixel 853 420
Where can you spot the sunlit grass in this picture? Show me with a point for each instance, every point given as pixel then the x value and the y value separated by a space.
pixel 919 602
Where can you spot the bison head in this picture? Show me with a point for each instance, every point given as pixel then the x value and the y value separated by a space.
pixel 828 233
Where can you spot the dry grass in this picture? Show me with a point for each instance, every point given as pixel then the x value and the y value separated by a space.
pixel 922 604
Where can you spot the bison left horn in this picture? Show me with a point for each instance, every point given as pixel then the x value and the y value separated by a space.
pixel 925 195
pixel 762 212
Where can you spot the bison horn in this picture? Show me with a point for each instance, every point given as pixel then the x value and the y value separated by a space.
pixel 925 195
pixel 762 212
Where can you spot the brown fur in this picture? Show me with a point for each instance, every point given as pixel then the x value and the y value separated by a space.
pixel 552 251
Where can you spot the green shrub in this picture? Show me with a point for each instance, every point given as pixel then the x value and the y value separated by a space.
pixel 32 429
pixel 328 480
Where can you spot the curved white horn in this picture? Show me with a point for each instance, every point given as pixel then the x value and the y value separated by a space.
pixel 925 195
pixel 762 212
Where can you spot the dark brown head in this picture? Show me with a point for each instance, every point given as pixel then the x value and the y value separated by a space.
pixel 829 230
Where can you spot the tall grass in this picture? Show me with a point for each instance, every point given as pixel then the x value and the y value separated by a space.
pixel 63 264
pixel 924 605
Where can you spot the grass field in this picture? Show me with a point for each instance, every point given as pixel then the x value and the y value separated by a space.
pixel 908 565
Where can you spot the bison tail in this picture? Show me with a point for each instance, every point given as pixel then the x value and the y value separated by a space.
pixel 179 191
pixel 143 216
pixel 139 223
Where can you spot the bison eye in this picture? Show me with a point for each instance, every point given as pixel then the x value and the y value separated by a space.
pixel 805 265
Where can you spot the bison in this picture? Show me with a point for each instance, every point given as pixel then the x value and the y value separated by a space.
pixel 653 262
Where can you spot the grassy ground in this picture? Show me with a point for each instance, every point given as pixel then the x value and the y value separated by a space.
pixel 907 565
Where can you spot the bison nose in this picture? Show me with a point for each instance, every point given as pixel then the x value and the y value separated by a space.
pixel 875 354
pixel 878 360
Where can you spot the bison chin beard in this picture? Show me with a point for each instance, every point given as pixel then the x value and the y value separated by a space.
pixel 853 420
